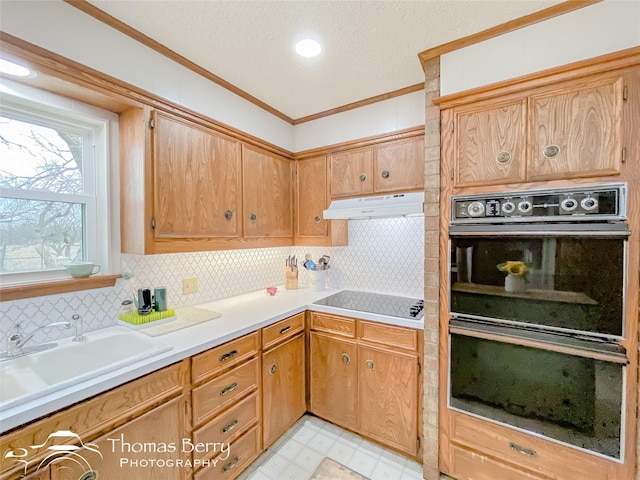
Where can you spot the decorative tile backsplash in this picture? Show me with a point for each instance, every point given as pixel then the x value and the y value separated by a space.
pixel 384 255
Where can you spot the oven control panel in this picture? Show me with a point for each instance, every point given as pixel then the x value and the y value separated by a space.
pixel 600 202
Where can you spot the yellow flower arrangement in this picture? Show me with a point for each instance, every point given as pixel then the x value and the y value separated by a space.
pixel 519 269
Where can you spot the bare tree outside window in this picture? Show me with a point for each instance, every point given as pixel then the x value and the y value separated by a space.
pixel 41 223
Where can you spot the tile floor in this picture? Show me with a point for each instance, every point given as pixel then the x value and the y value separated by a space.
pixel 300 450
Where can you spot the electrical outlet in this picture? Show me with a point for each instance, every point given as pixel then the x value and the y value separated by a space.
pixel 189 285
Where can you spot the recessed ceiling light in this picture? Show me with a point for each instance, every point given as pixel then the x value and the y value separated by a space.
pixel 308 48
pixel 11 68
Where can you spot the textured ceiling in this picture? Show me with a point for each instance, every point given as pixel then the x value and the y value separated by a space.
pixel 370 47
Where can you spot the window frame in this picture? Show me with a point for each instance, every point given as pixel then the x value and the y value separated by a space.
pixel 101 231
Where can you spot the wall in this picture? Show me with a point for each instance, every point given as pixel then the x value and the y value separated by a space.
pixel 591 31
pixel 383 255
pixel 392 263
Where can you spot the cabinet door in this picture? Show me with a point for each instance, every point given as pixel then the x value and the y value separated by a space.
pixel 399 165
pixel 312 197
pixel 489 144
pixel 575 130
pixel 351 173
pixel 152 440
pixel 388 397
pixel 333 383
pixel 283 388
pixel 267 192
pixel 196 174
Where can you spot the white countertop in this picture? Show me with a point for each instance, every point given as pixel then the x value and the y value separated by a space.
pixel 241 314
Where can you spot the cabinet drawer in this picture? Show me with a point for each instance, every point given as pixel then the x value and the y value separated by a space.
pixel 208 363
pixel 388 335
pixel 222 391
pixel 520 449
pixel 321 322
pixel 282 330
pixel 228 425
pixel 241 453
pixel 469 465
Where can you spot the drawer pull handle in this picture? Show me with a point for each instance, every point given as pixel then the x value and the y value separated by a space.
pixel 227 356
pixel 525 451
pixel 230 426
pixel 363 177
pixel 385 174
pixel 318 219
pixel 370 365
pixel 285 329
pixel 230 465
pixel 228 214
pixel 272 369
pixel 346 359
pixel 228 389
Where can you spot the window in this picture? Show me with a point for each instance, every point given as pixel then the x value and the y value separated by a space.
pixel 54 190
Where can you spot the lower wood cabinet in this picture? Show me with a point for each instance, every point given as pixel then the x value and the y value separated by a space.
pixel 388 397
pixel 365 376
pixel 229 465
pixel 209 416
pixel 283 385
pixel 333 373
pixel 146 448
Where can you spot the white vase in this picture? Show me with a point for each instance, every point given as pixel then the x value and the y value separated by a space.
pixel 514 283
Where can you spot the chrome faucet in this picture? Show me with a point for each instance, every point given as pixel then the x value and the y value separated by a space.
pixel 17 340
pixel 77 323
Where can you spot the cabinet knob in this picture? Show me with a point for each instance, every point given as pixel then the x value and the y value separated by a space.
pixel 317 219
pixel 504 157
pixel 346 359
pixel 90 475
pixel 253 217
pixel 228 214
pixel 363 177
pixel 551 151
pixel 272 369
pixel 370 365
pixel 385 174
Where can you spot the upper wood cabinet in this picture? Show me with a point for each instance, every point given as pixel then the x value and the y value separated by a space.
pixel 267 189
pixel 399 165
pixel 196 179
pixel 569 129
pixel 186 187
pixel 391 166
pixel 575 131
pixel 312 198
pixel 490 143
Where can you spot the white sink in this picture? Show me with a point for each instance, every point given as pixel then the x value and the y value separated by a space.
pixel 39 374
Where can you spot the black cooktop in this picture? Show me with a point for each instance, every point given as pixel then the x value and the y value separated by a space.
pixel 402 307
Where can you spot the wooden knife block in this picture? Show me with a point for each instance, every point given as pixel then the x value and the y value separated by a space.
pixel 290 278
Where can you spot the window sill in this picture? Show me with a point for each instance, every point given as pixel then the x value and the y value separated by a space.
pixel 17 292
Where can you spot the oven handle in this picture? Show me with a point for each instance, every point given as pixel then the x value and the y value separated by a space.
pixel 568 344
pixel 542 229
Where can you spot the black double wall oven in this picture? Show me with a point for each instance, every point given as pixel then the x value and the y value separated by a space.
pixel 537 302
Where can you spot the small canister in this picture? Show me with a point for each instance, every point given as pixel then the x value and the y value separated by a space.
pixel 160 298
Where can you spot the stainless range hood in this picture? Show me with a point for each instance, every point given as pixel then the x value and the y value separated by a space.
pixel 385 206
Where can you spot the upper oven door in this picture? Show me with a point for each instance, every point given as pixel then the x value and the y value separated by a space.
pixel 551 276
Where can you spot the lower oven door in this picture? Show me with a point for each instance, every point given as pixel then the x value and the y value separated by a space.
pixel 565 389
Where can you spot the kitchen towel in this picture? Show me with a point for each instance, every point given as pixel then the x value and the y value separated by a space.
pixel 185 317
